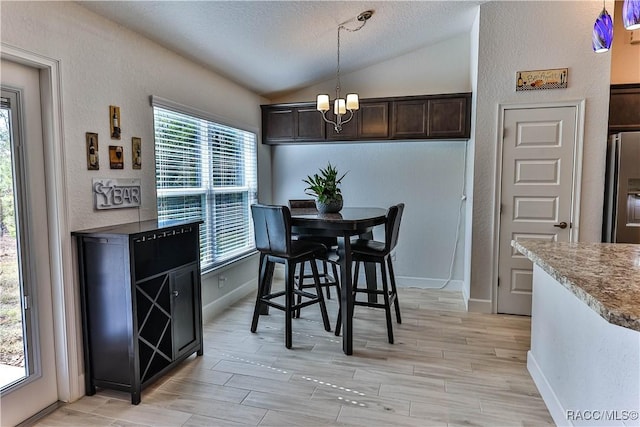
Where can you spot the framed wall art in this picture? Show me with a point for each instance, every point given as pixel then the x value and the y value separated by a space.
pixel 93 160
pixel 136 153
pixel 542 79
pixel 116 157
pixel 114 121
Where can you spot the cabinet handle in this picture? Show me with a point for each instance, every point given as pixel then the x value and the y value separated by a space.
pixel 176 293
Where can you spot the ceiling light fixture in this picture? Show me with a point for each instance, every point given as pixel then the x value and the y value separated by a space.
pixel 602 35
pixel 342 105
pixel 631 14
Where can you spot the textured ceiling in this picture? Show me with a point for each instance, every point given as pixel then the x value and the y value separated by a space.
pixel 275 47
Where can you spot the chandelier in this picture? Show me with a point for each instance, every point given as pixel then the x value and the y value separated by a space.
pixel 351 102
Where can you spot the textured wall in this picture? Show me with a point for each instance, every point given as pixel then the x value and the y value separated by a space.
pixel 529 36
pixel 104 64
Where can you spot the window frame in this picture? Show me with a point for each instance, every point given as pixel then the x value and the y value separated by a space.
pixel 206 189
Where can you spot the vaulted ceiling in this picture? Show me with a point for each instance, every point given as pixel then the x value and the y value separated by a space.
pixel 275 47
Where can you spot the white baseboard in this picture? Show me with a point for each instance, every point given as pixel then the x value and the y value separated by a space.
pixel 558 413
pixel 465 297
pixel 480 305
pixel 216 307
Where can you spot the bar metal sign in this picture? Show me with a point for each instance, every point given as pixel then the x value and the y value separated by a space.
pixel 110 193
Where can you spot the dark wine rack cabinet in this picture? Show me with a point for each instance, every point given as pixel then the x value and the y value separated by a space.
pixel 141 302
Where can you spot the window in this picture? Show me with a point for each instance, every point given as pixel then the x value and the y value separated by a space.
pixel 206 170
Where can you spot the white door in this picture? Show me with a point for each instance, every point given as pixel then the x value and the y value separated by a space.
pixel 30 386
pixel 538 163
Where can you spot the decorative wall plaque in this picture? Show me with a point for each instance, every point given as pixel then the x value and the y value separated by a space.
pixel 116 157
pixel 93 160
pixel 109 193
pixel 542 79
pixel 136 153
pixel 114 121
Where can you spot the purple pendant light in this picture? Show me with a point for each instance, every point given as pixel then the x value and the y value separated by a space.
pixel 602 36
pixel 631 14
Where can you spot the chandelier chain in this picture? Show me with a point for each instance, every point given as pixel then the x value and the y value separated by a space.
pixel 351 30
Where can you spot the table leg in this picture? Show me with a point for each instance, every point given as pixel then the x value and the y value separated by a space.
pixel 344 252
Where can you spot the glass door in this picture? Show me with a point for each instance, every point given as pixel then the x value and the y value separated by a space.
pixel 28 382
pixel 15 323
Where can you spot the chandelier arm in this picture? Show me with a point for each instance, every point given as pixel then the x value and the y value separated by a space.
pixel 324 116
pixel 343 122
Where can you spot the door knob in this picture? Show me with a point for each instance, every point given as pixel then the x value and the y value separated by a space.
pixel 176 293
pixel 562 225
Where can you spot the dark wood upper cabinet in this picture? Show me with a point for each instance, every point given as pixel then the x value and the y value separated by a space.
pixel 292 123
pixel 447 118
pixel 349 130
pixel 374 120
pixel 309 126
pixel 624 108
pixel 277 124
pixel 411 117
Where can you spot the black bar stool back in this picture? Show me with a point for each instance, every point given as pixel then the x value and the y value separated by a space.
pixel 380 253
pixel 272 228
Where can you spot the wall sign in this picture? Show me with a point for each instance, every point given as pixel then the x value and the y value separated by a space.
pixel 111 193
pixel 542 79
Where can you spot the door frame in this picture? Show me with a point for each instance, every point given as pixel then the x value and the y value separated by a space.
pixel 68 349
pixel 576 186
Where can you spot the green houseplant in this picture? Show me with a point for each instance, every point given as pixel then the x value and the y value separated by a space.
pixel 325 188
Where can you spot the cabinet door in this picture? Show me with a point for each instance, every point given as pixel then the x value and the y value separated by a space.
pixel 349 130
pixel 185 309
pixel 624 108
pixel 374 120
pixel 447 118
pixel 278 124
pixel 409 119
pixel 310 125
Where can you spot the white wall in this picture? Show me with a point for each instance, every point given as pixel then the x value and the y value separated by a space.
pixel 426 175
pixel 104 64
pixel 568 340
pixel 531 36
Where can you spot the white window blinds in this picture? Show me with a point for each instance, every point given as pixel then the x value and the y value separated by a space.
pixel 206 170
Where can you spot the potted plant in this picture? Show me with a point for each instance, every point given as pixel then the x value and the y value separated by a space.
pixel 324 187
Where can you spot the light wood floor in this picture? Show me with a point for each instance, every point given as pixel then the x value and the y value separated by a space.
pixel 447 368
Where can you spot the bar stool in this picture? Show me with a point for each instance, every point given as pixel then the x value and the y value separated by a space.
pixel 380 253
pixel 272 225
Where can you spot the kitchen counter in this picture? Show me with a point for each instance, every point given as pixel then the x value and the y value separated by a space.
pixel 605 276
pixel 585 330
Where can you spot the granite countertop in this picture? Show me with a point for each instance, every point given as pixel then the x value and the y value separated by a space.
pixel 605 276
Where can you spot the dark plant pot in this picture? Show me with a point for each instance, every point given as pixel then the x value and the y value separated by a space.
pixel 332 207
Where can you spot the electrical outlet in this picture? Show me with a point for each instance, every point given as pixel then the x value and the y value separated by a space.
pixel 222 280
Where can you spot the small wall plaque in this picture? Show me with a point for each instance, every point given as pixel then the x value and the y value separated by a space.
pixel 93 160
pixel 542 79
pixel 116 157
pixel 136 153
pixel 114 119
pixel 109 193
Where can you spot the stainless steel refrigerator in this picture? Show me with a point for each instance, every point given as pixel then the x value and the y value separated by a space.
pixel 622 192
